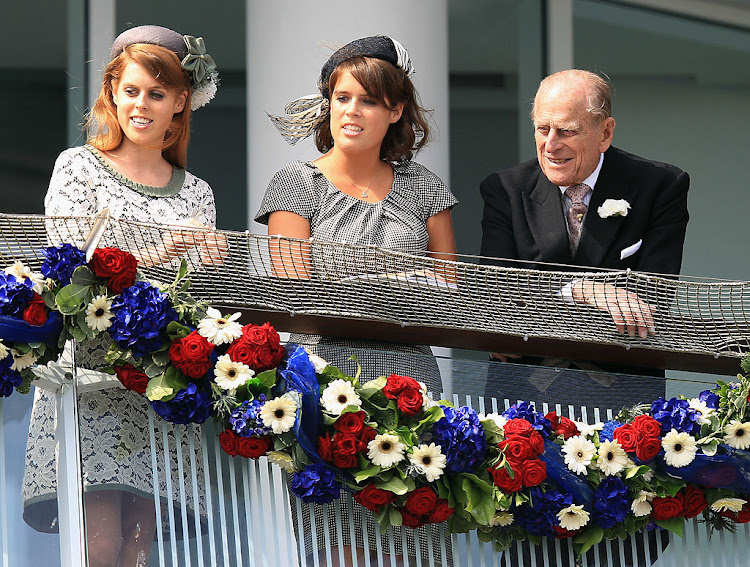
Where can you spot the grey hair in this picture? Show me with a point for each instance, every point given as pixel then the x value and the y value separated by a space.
pixel 599 90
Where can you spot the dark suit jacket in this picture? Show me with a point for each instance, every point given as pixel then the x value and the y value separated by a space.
pixel 524 218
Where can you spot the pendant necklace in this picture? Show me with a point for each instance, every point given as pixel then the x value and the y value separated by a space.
pixel 364 191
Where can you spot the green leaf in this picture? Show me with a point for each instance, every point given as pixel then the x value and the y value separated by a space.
pixel 176 330
pixel 84 276
pixel 72 298
pixel 369 472
pixel 394 516
pixel 158 388
pixel 394 484
pixel 674 525
pixel 588 538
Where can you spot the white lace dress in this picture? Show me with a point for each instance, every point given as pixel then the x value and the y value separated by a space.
pixel 115 436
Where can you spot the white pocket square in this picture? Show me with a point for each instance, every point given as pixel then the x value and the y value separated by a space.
pixel 630 250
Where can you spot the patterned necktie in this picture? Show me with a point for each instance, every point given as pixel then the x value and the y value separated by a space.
pixel 576 213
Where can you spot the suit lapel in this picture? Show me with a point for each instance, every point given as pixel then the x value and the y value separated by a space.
pixel 545 218
pixel 598 233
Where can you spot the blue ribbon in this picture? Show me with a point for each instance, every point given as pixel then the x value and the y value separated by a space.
pixel 559 474
pixel 730 469
pixel 19 331
pixel 299 375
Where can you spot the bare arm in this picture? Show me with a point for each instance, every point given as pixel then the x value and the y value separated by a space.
pixel 289 259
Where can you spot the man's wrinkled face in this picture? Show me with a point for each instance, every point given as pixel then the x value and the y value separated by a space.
pixel 568 139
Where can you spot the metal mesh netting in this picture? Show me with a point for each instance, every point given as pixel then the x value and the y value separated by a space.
pixel 243 270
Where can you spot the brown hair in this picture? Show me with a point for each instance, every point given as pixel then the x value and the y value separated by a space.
pixel 103 128
pixel 389 85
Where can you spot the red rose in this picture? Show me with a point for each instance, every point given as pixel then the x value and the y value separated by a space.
pixel 324 448
pixel 411 521
pixel 421 501
pixel 345 449
pixel 117 266
pixel 693 501
pixel 351 423
pixel 257 357
pixel 191 355
pixel 537 443
pixel 395 384
pixel 230 442
pixel 647 448
pixel 647 425
pixel 562 533
pixel 741 517
pixel 518 427
pixel 264 334
pixel 441 512
pixel 626 436
pixel 374 498
pixel 667 507
pixel 566 428
pixel 516 448
pixel 254 447
pixel 367 435
pixel 132 378
pixel 533 472
pixel 35 313
pixel 410 401
pixel 501 477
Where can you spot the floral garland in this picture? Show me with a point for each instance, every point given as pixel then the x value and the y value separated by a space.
pixel 410 460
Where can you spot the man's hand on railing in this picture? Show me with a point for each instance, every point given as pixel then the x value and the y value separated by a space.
pixel 629 313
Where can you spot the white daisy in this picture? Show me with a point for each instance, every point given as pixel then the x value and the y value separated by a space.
pixel 427 401
pixel 501 519
pixel 703 411
pixel 612 458
pixel 218 329
pixel 4 350
pixel 385 450
pixel 737 434
pixel 22 361
pixel 230 375
pixel 578 453
pixel 279 414
pixel 573 517
pixel 679 448
pixel 586 430
pixel 282 459
pixel 318 363
pixel 338 395
pixel 641 505
pixel 728 504
pixel 428 460
pixel 22 271
pixel 99 313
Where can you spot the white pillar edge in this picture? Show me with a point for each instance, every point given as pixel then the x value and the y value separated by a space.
pixel 559 35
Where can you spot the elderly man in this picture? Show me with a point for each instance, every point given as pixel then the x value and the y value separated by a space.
pixel 546 211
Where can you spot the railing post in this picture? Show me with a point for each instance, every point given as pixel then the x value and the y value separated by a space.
pixel 69 474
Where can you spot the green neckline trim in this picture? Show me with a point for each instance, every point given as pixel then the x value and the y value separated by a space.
pixel 170 189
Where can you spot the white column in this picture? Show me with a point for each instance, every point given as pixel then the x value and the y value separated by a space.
pixel 288 41
pixel 559 35
pixel 101 15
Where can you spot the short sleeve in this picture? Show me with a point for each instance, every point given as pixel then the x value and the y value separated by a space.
pixel 205 211
pixel 71 188
pixel 292 189
pixel 434 194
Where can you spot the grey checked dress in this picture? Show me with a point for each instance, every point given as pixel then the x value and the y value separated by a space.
pixel 115 434
pixel 397 222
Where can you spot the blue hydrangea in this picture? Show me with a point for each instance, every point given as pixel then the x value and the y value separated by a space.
pixel 607 432
pixel 15 294
pixel 674 414
pixel 316 483
pixel 526 410
pixel 461 437
pixel 709 398
pixel 245 418
pixel 141 315
pixel 61 261
pixel 539 517
pixel 611 503
pixel 190 405
pixel 9 378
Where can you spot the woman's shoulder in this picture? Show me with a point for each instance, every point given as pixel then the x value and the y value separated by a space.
pixel 298 169
pixel 417 174
pixel 75 154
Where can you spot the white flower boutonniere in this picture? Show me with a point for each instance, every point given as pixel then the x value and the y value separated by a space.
pixel 614 208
